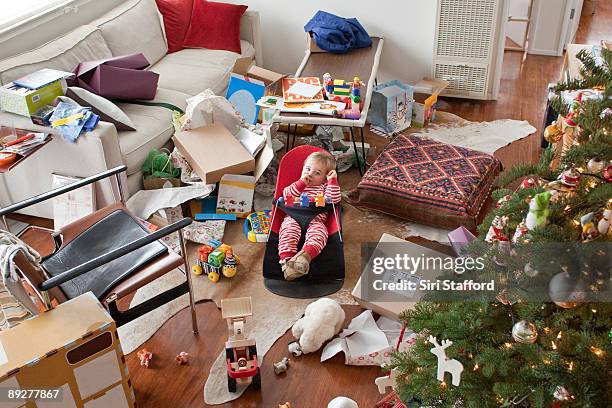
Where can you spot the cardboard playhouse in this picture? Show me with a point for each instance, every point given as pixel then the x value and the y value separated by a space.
pixel 72 352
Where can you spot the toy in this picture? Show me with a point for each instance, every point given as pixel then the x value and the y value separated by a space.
pixel 216 258
pixel 454 367
pixel 341 87
pixel 229 265
pixel 328 84
pixel 145 357
pixel 356 92
pixel 257 226
pixel 342 402
pixel 347 114
pixel 387 381
pixel 285 405
pixel 240 351
pixel 281 366
pixel 538 210
pixel 320 200
pixel 322 320
pixel 294 348
pixel 182 358
pixel 304 200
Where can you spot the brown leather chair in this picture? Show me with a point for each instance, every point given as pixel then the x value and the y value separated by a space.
pixel 109 253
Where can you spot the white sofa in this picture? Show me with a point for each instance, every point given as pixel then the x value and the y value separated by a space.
pixel 134 26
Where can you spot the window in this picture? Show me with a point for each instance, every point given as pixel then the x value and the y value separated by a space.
pixel 17 11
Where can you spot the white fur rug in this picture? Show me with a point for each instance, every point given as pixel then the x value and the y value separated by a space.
pixel 274 315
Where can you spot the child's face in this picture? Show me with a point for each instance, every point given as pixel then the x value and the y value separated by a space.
pixel 316 171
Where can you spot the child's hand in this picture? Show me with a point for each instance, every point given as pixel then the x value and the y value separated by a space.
pixel 305 178
pixel 331 175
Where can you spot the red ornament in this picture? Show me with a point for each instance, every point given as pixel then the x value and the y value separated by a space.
pixel 607 173
pixel 570 119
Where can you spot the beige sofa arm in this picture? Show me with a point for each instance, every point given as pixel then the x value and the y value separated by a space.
pixel 93 152
pixel 250 30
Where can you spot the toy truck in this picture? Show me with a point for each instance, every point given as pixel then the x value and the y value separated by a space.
pixel 216 259
pixel 240 350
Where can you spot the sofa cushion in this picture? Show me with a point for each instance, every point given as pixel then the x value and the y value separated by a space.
pixel 107 110
pixel 153 128
pixel 193 70
pixel 176 16
pixel 85 43
pixel 132 27
pixel 215 26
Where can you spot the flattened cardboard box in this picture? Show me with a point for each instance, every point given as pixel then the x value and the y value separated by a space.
pixel 213 151
pixel 73 348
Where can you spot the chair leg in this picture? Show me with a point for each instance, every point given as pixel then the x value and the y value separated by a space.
pixel 194 321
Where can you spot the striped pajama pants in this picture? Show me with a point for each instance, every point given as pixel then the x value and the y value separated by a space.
pixel 314 242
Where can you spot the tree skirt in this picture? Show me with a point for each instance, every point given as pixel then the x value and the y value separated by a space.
pixel 274 315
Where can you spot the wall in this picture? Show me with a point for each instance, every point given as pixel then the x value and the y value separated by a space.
pixel 516 30
pixel 48 27
pixel 408 28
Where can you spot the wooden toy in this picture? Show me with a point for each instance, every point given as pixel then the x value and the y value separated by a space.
pixel 229 265
pixel 452 366
pixel 182 358
pixel 257 226
pixel 216 258
pixel 240 350
pixel 304 200
pixel 281 366
pixel 341 87
pixel 320 200
pixel 145 357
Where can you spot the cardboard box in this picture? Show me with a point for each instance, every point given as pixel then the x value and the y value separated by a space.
pixel 271 79
pixel 26 102
pixel 213 151
pixel 426 94
pixel 73 348
pixel 235 195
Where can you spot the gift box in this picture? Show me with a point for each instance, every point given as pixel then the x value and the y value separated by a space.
pixel 459 238
pixel 391 107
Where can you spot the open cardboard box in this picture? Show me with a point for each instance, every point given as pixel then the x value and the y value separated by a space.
pixel 271 79
pixel 212 151
pixel 426 93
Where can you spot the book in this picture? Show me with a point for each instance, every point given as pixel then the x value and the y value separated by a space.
pixel 320 108
pixel 289 97
pixel 41 78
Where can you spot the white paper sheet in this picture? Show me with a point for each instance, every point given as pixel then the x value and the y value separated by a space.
pixel 305 90
pixel 146 202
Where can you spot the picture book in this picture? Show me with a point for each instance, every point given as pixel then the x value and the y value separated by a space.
pixel 291 97
pixel 320 108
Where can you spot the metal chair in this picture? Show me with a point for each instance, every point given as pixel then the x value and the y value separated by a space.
pixel 108 252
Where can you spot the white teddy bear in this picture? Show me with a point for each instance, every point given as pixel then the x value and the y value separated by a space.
pixel 322 320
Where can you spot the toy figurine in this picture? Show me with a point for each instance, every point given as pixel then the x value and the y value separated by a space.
pixel 328 84
pixel 347 114
pixel 356 92
pixel 240 350
pixel 281 366
pixel 145 357
pixel 182 358
pixel 319 200
pixel 304 200
pixel 229 265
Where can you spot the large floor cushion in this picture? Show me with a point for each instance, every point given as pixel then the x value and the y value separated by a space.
pixel 193 70
pixel 429 182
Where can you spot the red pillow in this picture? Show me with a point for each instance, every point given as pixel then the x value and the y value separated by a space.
pixel 177 15
pixel 215 26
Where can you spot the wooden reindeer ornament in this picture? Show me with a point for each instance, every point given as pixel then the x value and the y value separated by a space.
pixel 454 367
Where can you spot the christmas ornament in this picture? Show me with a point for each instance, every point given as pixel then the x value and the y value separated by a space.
pixel 607 173
pixel 570 119
pixel 454 367
pixel 538 210
pixel 530 271
pixel 561 393
pixel 589 232
pixel 569 178
pixel 524 332
pixel 566 291
pixel 603 226
pixel 610 335
pixel 605 112
pixel 529 182
pixel 520 234
pixel 553 133
pixel 496 230
pixel 595 166
pixel 503 200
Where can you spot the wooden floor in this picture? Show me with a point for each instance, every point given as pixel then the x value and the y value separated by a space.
pixel 310 384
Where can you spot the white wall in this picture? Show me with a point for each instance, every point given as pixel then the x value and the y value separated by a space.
pixel 407 26
pixel 46 28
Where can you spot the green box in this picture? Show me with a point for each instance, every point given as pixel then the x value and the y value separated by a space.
pixel 24 101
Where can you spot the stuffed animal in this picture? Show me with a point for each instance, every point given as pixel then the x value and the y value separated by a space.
pixel 342 402
pixel 322 320
pixel 538 210
pixel 281 366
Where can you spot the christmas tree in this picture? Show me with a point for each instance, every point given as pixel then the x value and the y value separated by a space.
pixel 544 339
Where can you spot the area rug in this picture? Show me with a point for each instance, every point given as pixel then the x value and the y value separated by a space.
pixel 274 315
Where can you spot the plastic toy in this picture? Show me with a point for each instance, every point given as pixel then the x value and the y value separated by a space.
pixel 257 226
pixel 304 200
pixel 320 200
pixel 281 366
pixel 216 259
pixel 145 357
pixel 347 114
pixel 240 350
pixel 356 92
pixel 182 358
pixel 341 87
pixel 328 84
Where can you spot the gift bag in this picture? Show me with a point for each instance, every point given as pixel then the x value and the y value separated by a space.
pixel 120 77
pixel 391 107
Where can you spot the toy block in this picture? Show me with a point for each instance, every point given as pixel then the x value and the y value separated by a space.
pixel 216 258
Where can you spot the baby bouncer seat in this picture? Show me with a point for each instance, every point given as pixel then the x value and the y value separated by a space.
pixel 326 275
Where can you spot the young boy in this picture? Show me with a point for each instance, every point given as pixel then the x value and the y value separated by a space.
pixel 318 177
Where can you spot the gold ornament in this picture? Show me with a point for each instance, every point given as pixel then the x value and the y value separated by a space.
pixel 553 133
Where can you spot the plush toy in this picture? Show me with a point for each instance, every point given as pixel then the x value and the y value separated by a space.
pixel 281 366
pixel 342 402
pixel 145 357
pixel 538 210
pixel 322 320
